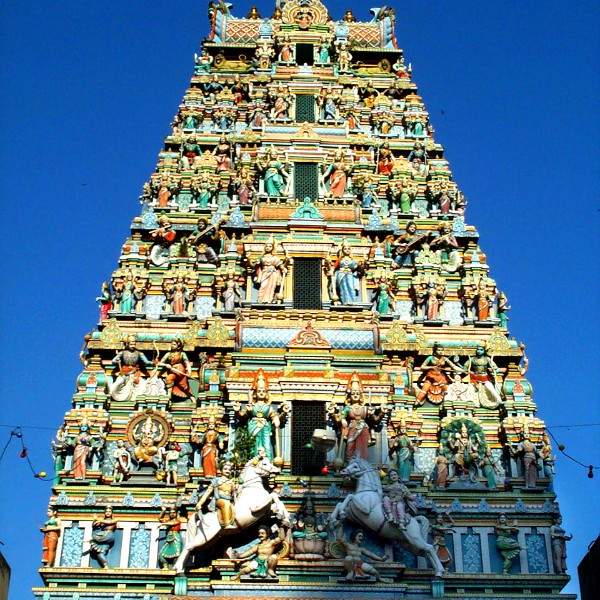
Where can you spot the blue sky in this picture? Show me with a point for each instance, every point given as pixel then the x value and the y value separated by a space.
pixel 88 92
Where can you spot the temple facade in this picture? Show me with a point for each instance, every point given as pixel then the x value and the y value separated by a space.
pixel 301 384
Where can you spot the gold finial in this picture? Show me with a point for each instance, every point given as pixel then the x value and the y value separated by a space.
pixel 253 14
pixel 349 17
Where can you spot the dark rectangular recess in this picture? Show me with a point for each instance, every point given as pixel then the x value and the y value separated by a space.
pixel 305 54
pixel 307 284
pixel 306 417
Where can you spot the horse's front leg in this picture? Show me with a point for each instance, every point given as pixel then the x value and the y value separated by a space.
pixel 339 512
pixel 280 509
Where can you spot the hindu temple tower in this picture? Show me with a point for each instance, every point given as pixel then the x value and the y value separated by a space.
pixel 301 384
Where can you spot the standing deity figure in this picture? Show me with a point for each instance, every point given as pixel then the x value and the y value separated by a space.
pixel 169 457
pixel 121 461
pixel 344 274
pixel 435 369
pixel 356 567
pixel 485 300
pixel 178 295
pixel 528 452
pixel 404 448
pixel 222 154
pixel 270 274
pixel 489 468
pixel 397 500
pixel 244 186
pixel 171 549
pixel 190 152
pixel 438 538
pixel 338 173
pixel 559 545
pixel 275 175
pixel 281 104
pixel 418 158
pixel 262 417
pixel 355 420
pixel 502 308
pixel 179 369
pixel 203 189
pixel 485 376
pixel 323 51
pixel 85 444
pixel 508 546
pixel 131 364
pixel 385 163
pixel 344 57
pixel 467 453
pixel 441 468
pixel 223 489
pixel 212 444
pixel 231 295
pixel 103 536
pixel 51 531
pixel 105 300
pixel 265 559
pixel 384 297
pixel 286 50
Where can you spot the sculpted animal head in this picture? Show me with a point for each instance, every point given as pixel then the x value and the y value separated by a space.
pixel 356 467
pixel 262 465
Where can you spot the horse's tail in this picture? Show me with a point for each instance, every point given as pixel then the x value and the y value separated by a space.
pixel 192 530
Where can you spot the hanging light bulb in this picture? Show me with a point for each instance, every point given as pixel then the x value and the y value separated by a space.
pixel 23 453
pixel 591 472
pixel 325 470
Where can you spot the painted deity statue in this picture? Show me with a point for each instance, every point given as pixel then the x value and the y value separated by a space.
pixel 171 549
pixel 435 369
pixel 265 559
pixel 262 417
pixel 345 273
pixel 103 536
pixel 179 370
pixel 438 538
pixel 105 300
pixel 404 447
pixel 397 500
pixel 270 273
pixel 212 443
pixel 407 245
pixel 355 420
pixel 131 364
pixel 337 173
pixel 51 531
pixel 121 461
pixel 275 175
pixel 354 564
pixel 85 445
pixel 223 489
pixel 529 453
pixel 508 546
pixel 559 539
pixel 485 376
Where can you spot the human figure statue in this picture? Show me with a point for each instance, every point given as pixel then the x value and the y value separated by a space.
pixel 323 56
pixel 103 536
pixel 212 443
pixel 418 158
pixel 460 392
pixel 502 308
pixel 281 104
pixel 548 460
pixel 223 490
pixel 345 275
pixel 489 468
pixel 190 152
pixel 244 186
pixel 131 364
pixel 438 538
pixel 337 172
pixel 356 567
pixel 355 420
pixel 270 273
pixel 265 559
pixel 51 531
pixel 309 536
pixel 397 500
pixel 467 452
pixel 508 546
pixel 484 375
pixel 170 457
pixel 275 175
pixel 441 468
pixel 445 246
pixel 222 154
pixel 122 462
pixel 179 370
pixel 86 445
pixel 485 300
pixel 435 369
pixel 528 452
pixel 262 417
pixel 559 539
pixel 384 298
pixel 286 50
pixel 178 294
pixel 407 245
pixel 105 300
pixel 385 163
pixel 203 62
pixel 204 233
pixel 60 448
pixel 129 291
pixel 404 448
pixel 203 188
pixel 147 438
pixel 231 295
pixel 171 549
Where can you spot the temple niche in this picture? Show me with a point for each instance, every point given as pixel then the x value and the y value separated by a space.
pixel 302 377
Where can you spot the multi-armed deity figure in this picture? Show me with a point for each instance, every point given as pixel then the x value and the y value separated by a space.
pixel 262 417
pixel 355 420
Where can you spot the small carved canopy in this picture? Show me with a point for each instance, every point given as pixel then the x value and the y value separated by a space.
pixel 304 13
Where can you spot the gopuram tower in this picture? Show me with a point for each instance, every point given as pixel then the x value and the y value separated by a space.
pixel 301 384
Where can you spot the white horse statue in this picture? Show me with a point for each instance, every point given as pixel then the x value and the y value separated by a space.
pixel 252 503
pixel 365 507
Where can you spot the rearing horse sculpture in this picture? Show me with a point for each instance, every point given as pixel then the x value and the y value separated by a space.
pixel 365 507
pixel 253 502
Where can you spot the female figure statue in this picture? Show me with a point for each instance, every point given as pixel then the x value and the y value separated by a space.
pixel 105 300
pixel 508 546
pixel 275 174
pixel 232 295
pixel 438 539
pixel 559 545
pixel 179 369
pixel 270 272
pixel 404 447
pixel 103 536
pixel 173 545
pixel 223 154
pixel 244 186
pixel 338 173
pixel 435 369
pixel 281 106
pixel 51 531
pixel 345 271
